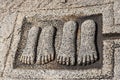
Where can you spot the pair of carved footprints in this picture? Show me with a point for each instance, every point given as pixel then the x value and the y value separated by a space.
pixel 45 50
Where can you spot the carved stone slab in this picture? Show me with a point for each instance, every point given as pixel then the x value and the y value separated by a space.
pixel 101 69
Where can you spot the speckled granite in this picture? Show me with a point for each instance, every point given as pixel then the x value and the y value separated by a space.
pixel 61 36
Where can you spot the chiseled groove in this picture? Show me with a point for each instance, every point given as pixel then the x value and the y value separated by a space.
pixel 111 36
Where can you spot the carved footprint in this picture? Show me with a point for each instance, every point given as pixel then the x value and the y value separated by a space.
pixel 87 52
pixel 28 54
pixel 66 54
pixel 45 50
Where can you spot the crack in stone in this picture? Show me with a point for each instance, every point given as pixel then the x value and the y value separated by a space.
pixel 12 35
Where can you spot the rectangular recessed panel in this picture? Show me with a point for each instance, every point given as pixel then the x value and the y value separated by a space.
pixel 82 34
pixel 58 24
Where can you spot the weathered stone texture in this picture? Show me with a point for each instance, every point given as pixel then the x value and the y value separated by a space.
pixel 6 33
pixel 117 60
pixel 15 13
pixel 24 5
pixel 117 11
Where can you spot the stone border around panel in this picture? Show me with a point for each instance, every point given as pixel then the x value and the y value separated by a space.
pixel 105 72
pixel 7 26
